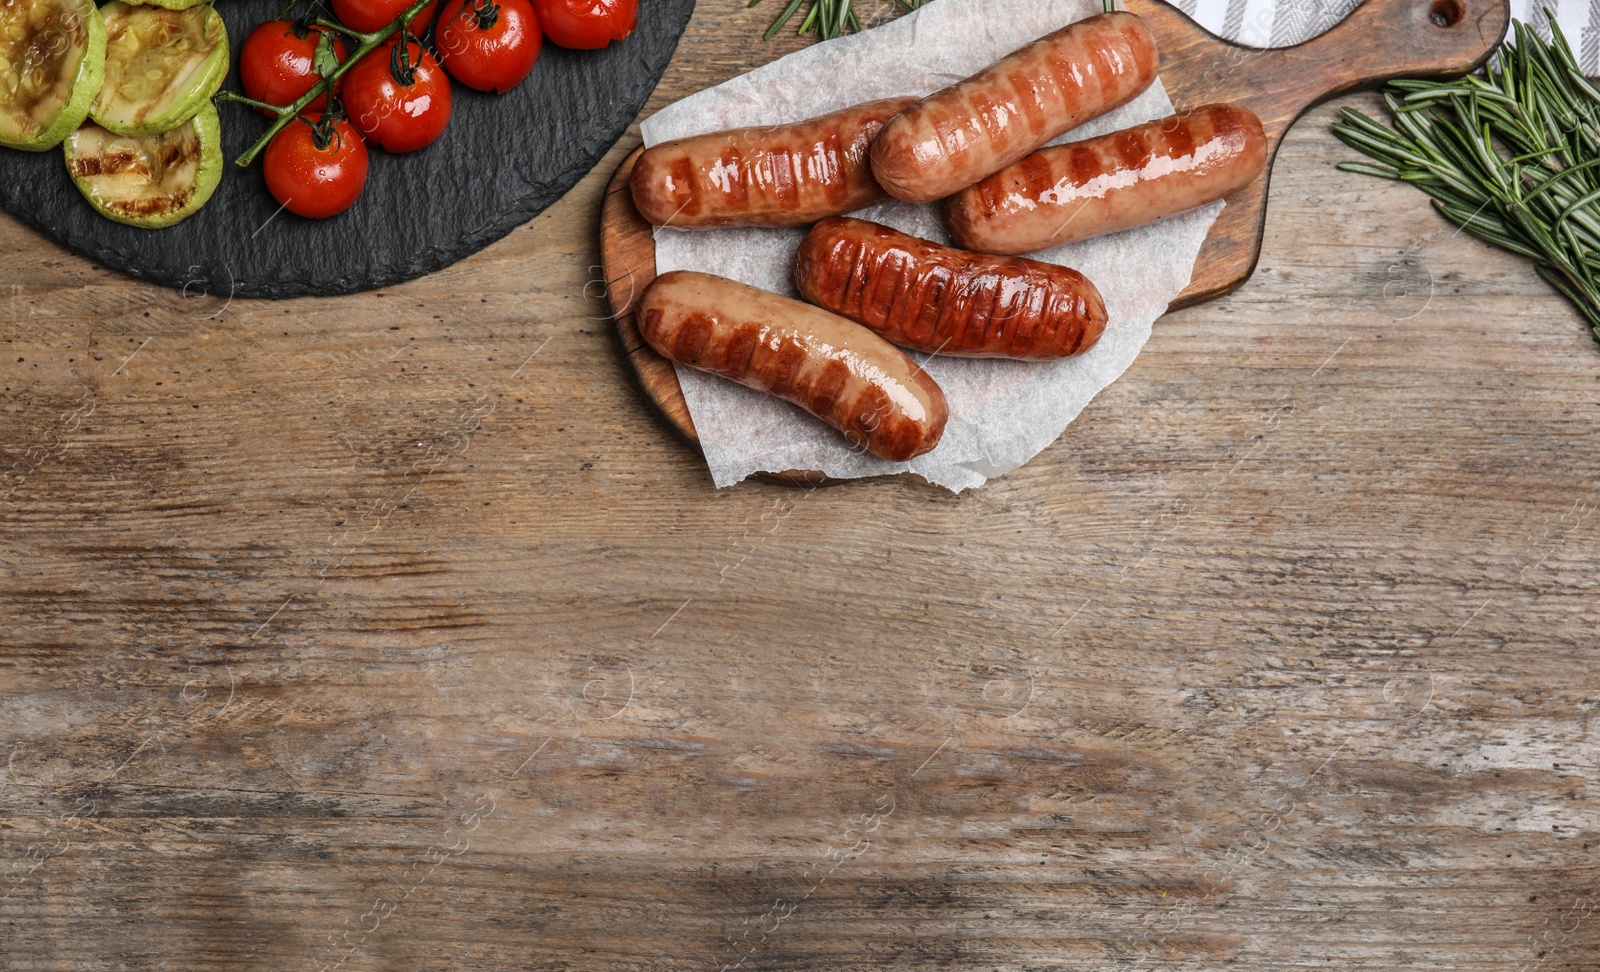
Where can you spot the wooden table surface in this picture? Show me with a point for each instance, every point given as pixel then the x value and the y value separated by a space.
pixel 394 632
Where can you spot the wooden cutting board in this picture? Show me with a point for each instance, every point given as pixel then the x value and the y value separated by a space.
pixel 1379 41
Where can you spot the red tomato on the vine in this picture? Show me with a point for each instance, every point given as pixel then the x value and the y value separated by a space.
pixel 316 170
pixel 370 15
pixel 489 45
pixel 277 63
pixel 586 24
pixel 398 97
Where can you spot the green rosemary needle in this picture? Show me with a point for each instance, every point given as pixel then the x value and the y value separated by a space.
pixel 1510 155
pixel 826 18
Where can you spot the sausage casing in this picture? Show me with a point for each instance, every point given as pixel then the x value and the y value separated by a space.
pixel 933 298
pixel 976 127
pixel 1113 182
pixel 785 175
pixel 833 368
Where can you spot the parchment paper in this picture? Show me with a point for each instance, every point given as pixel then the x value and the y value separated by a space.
pixel 1002 413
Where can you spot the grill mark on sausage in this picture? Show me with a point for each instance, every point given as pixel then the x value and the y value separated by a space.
pixel 1179 138
pixel 685 202
pixel 949 126
pixel 1225 124
pixel 1069 87
pixel 1111 61
pixel 1112 182
pixel 787 368
pixel 828 391
pixel 967 131
pixel 933 298
pixel 1132 148
pixel 843 374
pixel 833 159
pixel 1148 58
pixel 787 175
pixel 741 351
pixel 988 116
pixel 926 325
pixel 692 339
pixel 1033 91
pixel 988 327
pixel 1083 165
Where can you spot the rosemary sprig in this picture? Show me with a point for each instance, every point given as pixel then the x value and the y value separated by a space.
pixel 826 18
pixel 1510 155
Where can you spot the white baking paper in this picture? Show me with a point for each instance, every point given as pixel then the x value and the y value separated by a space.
pixel 1002 413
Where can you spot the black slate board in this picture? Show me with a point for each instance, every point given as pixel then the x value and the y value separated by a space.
pixel 501 161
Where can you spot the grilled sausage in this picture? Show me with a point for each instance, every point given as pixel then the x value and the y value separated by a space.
pixel 833 368
pixel 940 300
pixel 786 175
pixel 974 128
pixel 1114 182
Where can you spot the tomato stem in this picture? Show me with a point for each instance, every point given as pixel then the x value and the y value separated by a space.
pixel 253 103
pixel 401 67
pixel 334 25
pixel 325 131
pixel 487 12
pixel 287 113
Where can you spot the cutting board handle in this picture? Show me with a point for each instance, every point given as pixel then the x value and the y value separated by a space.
pixel 1384 39
pixel 1378 41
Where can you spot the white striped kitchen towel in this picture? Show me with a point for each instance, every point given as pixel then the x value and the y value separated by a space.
pixel 1278 23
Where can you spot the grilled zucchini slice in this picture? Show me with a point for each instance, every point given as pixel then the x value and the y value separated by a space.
pixel 52 59
pixel 161 66
pixel 151 181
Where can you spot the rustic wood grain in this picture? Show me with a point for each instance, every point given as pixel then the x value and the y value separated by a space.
pixel 1283 657
pixel 1436 38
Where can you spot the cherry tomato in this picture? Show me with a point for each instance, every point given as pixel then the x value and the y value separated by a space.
pixel 586 24
pixel 489 45
pixel 316 170
pixel 398 97
pixel 276 63
pixel 370 15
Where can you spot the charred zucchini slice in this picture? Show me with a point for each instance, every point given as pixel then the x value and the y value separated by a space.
pixel 52 59
pixel 161 66
pixel 150 181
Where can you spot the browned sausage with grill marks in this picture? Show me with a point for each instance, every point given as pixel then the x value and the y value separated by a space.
pixel 1114 182
pixel 976 127
pixel 933 298
pixel 833 368
pixel 786 175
